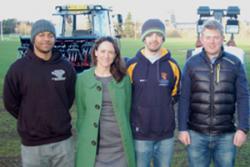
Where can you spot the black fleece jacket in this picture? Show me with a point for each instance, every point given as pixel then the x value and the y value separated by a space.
pixel 39 94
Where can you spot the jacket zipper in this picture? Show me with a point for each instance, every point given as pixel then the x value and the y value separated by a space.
pixel 217 73
pixel 211 96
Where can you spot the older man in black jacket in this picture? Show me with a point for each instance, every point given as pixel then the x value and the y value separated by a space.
pixel 213 82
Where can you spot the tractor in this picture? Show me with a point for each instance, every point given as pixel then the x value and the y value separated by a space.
pixel 80 26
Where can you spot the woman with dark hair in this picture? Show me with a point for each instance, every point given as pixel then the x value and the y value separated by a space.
pixel 103 98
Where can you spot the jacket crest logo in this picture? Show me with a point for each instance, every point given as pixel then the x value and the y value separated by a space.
pixel 58 75
pixel 164 75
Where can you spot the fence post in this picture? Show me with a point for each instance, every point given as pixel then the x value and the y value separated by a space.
pixel 1 30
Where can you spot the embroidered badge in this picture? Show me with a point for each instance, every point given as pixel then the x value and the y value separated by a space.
pixel 164 75
pixel 58 75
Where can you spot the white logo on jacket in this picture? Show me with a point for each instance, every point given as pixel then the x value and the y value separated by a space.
pixel 58 75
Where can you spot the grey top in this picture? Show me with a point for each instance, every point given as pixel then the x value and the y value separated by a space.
pixel 111 151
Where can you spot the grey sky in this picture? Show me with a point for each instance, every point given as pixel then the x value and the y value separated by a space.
pixel 185 10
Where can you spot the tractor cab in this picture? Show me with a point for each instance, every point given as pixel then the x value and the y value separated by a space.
pixel 84 20
pixel 80 26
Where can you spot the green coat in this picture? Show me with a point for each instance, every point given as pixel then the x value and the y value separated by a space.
pixel 89 102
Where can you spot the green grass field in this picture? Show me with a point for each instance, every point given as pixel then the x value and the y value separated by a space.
pixel 9 140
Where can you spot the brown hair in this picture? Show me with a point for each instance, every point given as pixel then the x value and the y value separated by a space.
pixel 117 69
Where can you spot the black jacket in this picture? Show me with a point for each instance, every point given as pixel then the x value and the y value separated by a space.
pixel 39 94
pixel 210 93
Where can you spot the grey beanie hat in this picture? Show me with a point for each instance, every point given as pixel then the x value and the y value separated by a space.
pixel 153 25
pixel 42 26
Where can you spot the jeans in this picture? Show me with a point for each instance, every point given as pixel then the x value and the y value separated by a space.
pixel 59 154
pixel 204 148
pixel 159 151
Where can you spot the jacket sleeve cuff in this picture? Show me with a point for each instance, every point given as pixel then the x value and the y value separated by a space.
pixel 244 130
pixel 183 128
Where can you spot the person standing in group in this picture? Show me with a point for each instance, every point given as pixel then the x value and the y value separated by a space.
pixel 39 90
pixel 155 78
pixel 214 84
pixel 103 100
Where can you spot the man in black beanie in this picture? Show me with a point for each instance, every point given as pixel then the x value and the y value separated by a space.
pixel 155 77
pixel 38 92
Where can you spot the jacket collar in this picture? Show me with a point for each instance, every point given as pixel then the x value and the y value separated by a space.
pixel 55 58
pixel 93 82
pixel 165 54
pixel 204 54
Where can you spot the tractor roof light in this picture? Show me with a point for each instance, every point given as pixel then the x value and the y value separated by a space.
pixel 71 8
pixel 77 7
pixel 232 26
pixel 233 11
pixel 204 11
pixel 58 8
pixel 98 7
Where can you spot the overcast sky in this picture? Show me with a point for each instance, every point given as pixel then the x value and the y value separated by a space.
pixel 184 10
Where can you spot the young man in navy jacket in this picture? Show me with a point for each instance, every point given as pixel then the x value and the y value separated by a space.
pixel 155 78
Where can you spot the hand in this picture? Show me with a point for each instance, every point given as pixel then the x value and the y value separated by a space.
pixel 184 137
pixel 239 138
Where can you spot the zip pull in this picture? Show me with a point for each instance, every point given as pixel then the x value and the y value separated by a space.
pixel 218 73
pixel 211 68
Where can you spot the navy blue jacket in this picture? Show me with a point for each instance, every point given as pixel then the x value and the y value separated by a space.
pixel 155 87
pixel 210 92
